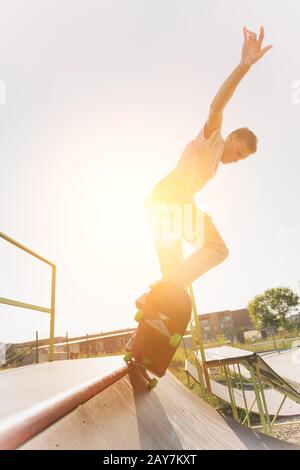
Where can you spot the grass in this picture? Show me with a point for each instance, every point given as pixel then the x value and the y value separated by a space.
pixel 260 347
pixel 177 368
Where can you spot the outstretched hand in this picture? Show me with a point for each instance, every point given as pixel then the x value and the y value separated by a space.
pixel 252 50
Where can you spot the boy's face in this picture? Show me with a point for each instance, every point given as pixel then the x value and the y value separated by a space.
pixel 234 150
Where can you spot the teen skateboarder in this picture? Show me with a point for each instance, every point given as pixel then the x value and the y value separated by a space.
pixel 173 214
pixel 198 163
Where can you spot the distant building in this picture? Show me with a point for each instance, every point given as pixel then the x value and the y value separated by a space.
pixel 227 323
pixel 295 318
pixel 91 345
pixel 22 354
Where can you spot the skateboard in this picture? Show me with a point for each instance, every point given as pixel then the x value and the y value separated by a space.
pixel 163 316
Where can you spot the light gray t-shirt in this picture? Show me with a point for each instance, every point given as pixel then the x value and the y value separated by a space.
pixel 199 162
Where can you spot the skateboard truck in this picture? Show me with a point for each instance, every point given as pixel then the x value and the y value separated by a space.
pixel 141 368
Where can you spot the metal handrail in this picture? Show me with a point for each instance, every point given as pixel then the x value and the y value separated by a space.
pixel 17 303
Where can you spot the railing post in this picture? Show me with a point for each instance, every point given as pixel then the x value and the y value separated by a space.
pixel 244 396
pixel 87 345
pixel 200 339
pixel 264 401
pixel 226 372
pixel 199 366
pixel 259 401
pixel 186 359
pixel 52 317
pixel 67 341
pixel 37 346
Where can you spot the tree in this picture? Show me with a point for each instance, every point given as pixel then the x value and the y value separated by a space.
pixel 261 314
pixel 271 308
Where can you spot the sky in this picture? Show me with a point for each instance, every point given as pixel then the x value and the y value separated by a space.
pixel 99 99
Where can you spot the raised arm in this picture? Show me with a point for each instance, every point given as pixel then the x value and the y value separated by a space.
pixel 252 52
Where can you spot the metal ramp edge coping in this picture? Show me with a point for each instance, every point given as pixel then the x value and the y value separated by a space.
pixel 22 426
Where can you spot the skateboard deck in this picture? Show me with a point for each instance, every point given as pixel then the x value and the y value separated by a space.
pixel 163 316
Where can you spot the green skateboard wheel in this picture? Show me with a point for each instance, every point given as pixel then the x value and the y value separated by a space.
pixel 152 384
pixel 128 357
pixel 139 316
pixel 175 340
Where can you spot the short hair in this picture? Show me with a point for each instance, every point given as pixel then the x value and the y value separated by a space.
pixel 247 136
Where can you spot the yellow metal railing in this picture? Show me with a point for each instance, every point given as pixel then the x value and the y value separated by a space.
pixel 17 303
